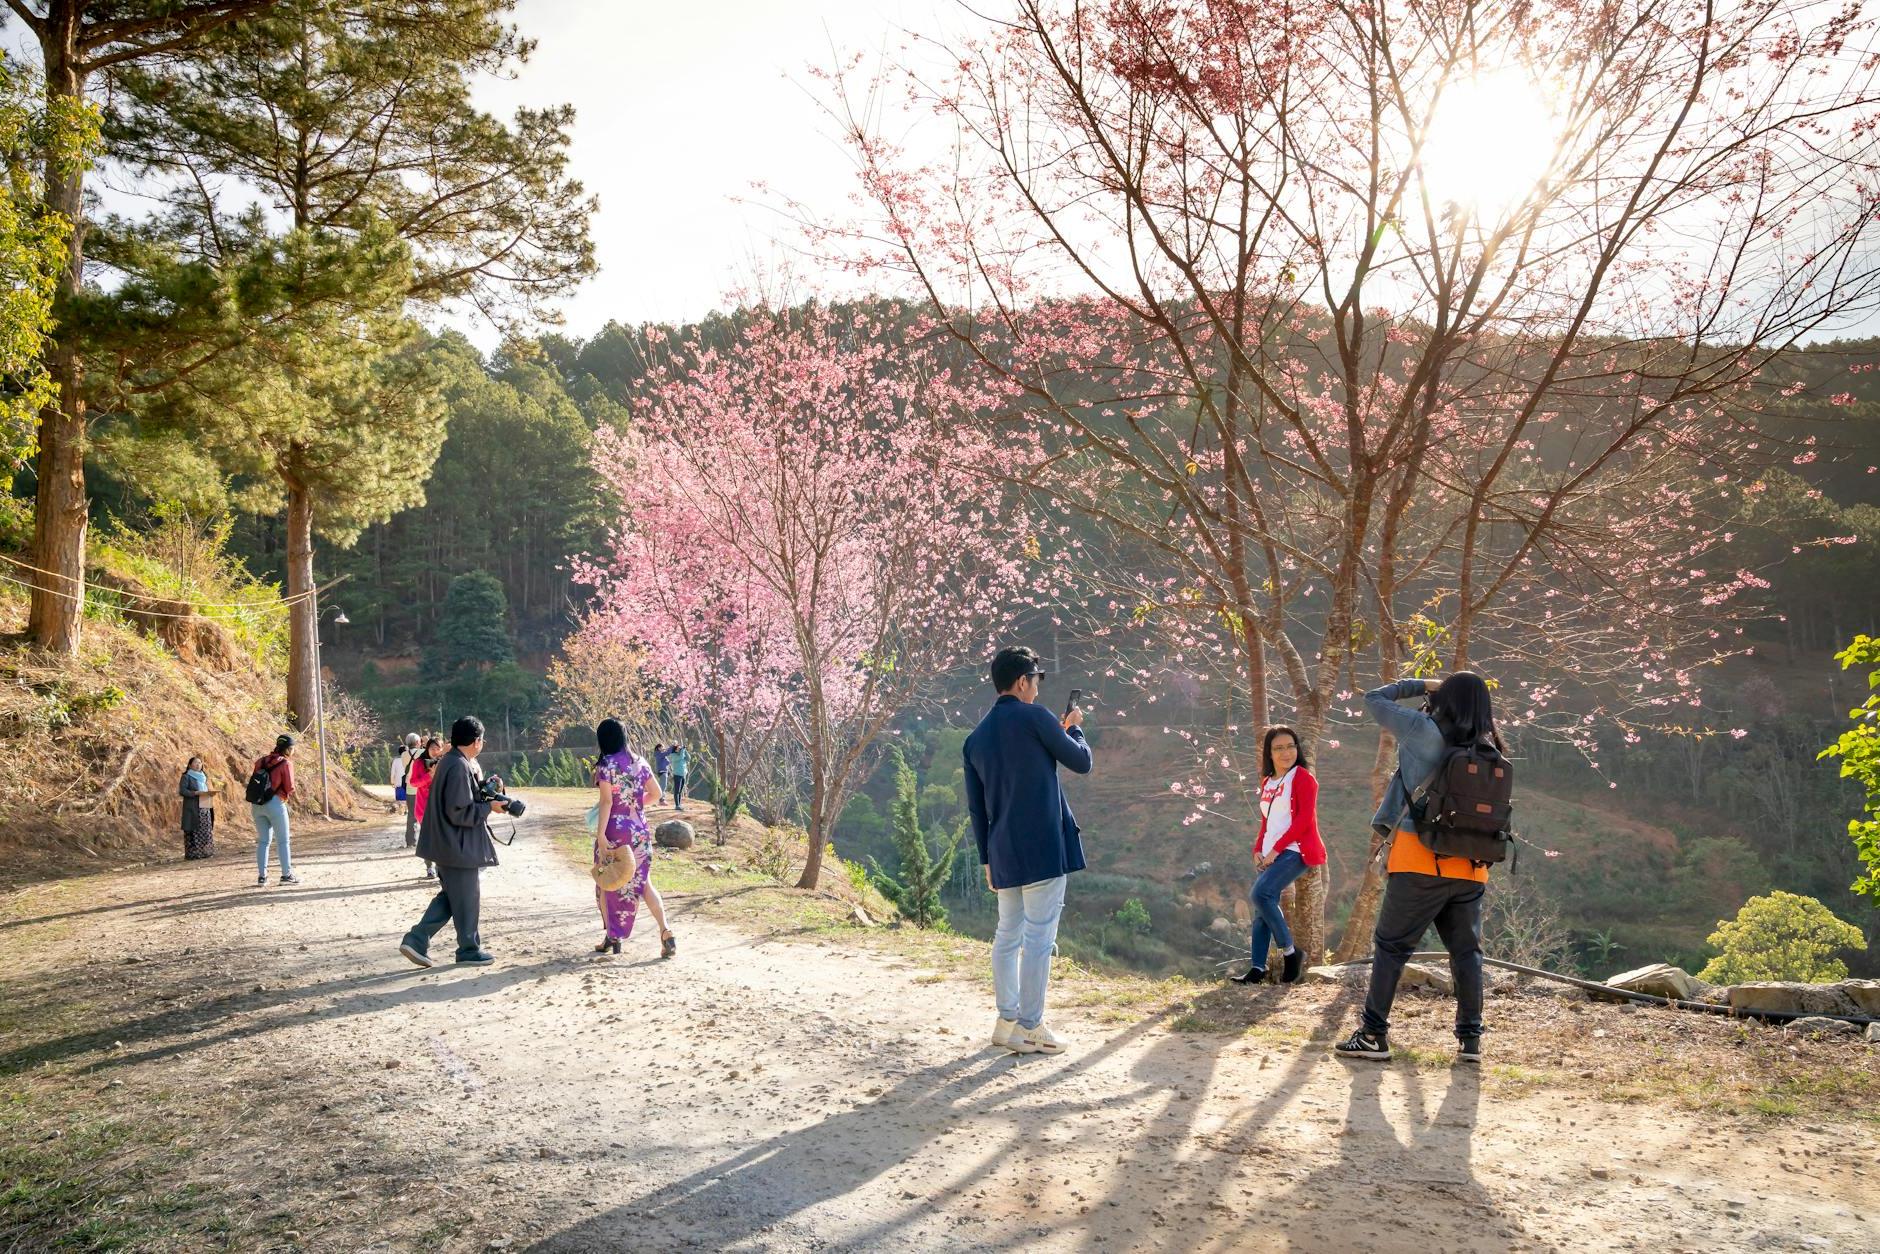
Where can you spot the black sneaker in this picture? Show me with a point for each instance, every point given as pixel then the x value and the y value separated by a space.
pixel 477 959
pixel 416 955
pixel 1254 975
pixel 1295 965
pixel 1362 1044
pixel 1468 1049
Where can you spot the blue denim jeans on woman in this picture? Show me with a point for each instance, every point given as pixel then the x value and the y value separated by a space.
pixel 1269 921
pixel 1021 948
pixel 271 818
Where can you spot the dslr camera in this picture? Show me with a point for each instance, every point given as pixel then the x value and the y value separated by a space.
pixel 490 792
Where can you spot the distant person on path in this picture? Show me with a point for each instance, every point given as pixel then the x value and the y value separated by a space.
pixel 401 787
pixel 1028 840
pixel 198 811
pixel 681 767
pixel 455 835
pixel 418 784
pixel 662 767
pixel 1288 843
pixel 1421 888
pixel 623 780
pixel 270 787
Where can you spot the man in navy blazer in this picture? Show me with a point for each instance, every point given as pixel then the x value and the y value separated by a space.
pixel 1028 841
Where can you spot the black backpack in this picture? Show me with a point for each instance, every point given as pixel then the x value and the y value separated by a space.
pixel 261 784
pixel 1466 810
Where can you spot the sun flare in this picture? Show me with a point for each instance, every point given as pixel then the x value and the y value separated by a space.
pixel 1490 142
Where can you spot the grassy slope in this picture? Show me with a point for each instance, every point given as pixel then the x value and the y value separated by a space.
pixel 90 752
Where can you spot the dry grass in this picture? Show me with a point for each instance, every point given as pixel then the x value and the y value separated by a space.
pixel 91 750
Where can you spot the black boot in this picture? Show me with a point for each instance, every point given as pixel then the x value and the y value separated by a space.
pixel 1254 975
pixel 1295 964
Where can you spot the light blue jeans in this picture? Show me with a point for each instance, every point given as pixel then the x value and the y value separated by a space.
pixel 1021 948
pixel 271 821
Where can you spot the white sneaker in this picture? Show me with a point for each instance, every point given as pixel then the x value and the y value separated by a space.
pixel 1003 1032
pixel 1038 1040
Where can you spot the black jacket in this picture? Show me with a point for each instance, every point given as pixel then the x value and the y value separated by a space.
pixel 456 828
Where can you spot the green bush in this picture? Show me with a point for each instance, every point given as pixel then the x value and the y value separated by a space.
pixel 1859 751
pixel 1133 916
pixel 1781 937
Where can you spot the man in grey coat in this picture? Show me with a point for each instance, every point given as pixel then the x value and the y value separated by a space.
pixel 455 835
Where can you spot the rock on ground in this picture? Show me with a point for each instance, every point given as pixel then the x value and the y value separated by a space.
pixel 1865 994
pixel 1821 1024
pixel 674 834
pixel 1788 998
pixel 1419 975
pixel 1660 979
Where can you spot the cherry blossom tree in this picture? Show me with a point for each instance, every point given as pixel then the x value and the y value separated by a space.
pixel 699 629
pixel 812 530
pixel 1395 335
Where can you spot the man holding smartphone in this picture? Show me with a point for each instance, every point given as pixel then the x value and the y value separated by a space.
pixel 1028 840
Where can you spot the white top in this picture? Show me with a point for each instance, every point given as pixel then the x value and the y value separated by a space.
pixel 398 768
pixel 1275 810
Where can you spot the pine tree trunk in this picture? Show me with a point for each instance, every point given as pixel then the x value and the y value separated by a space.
pixel 302 669
pixel 59 512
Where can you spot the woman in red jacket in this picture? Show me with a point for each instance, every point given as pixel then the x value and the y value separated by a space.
pixel 1288 843
pixel 418 786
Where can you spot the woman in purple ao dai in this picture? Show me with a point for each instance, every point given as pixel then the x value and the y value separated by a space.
pixel 624 781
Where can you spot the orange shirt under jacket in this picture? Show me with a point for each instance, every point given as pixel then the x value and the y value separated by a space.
pixel 1407 853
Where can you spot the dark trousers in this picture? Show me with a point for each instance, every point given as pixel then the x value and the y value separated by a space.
pixel 1411 903
pixel 678 791
pixel 411 826
pixel 460 900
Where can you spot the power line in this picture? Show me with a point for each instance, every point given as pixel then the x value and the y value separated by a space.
pixel 196 608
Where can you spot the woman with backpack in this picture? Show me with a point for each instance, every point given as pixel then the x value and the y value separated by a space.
pixel 270 785
pixel 1288 843
pixel 1421 888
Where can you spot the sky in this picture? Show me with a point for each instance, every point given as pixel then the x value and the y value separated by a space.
pixel 680 110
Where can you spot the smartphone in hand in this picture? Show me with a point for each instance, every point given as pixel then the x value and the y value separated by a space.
pixel 1072 703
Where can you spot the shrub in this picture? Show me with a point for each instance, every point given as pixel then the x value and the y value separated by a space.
pixel 1859 751
pixel 1133 916
pixel 777 851
pixel 924 874
pixel 1783 936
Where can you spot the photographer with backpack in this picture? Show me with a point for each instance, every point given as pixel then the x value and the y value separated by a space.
pixel 270 785
pixel 1446 814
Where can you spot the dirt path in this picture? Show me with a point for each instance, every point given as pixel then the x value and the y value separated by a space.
pixel 767 1094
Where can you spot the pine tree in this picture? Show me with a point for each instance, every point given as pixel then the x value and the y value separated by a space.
pixel 924 875
pixel 33 242
pixel 355 126
pixel 78 41
pixel 473 630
